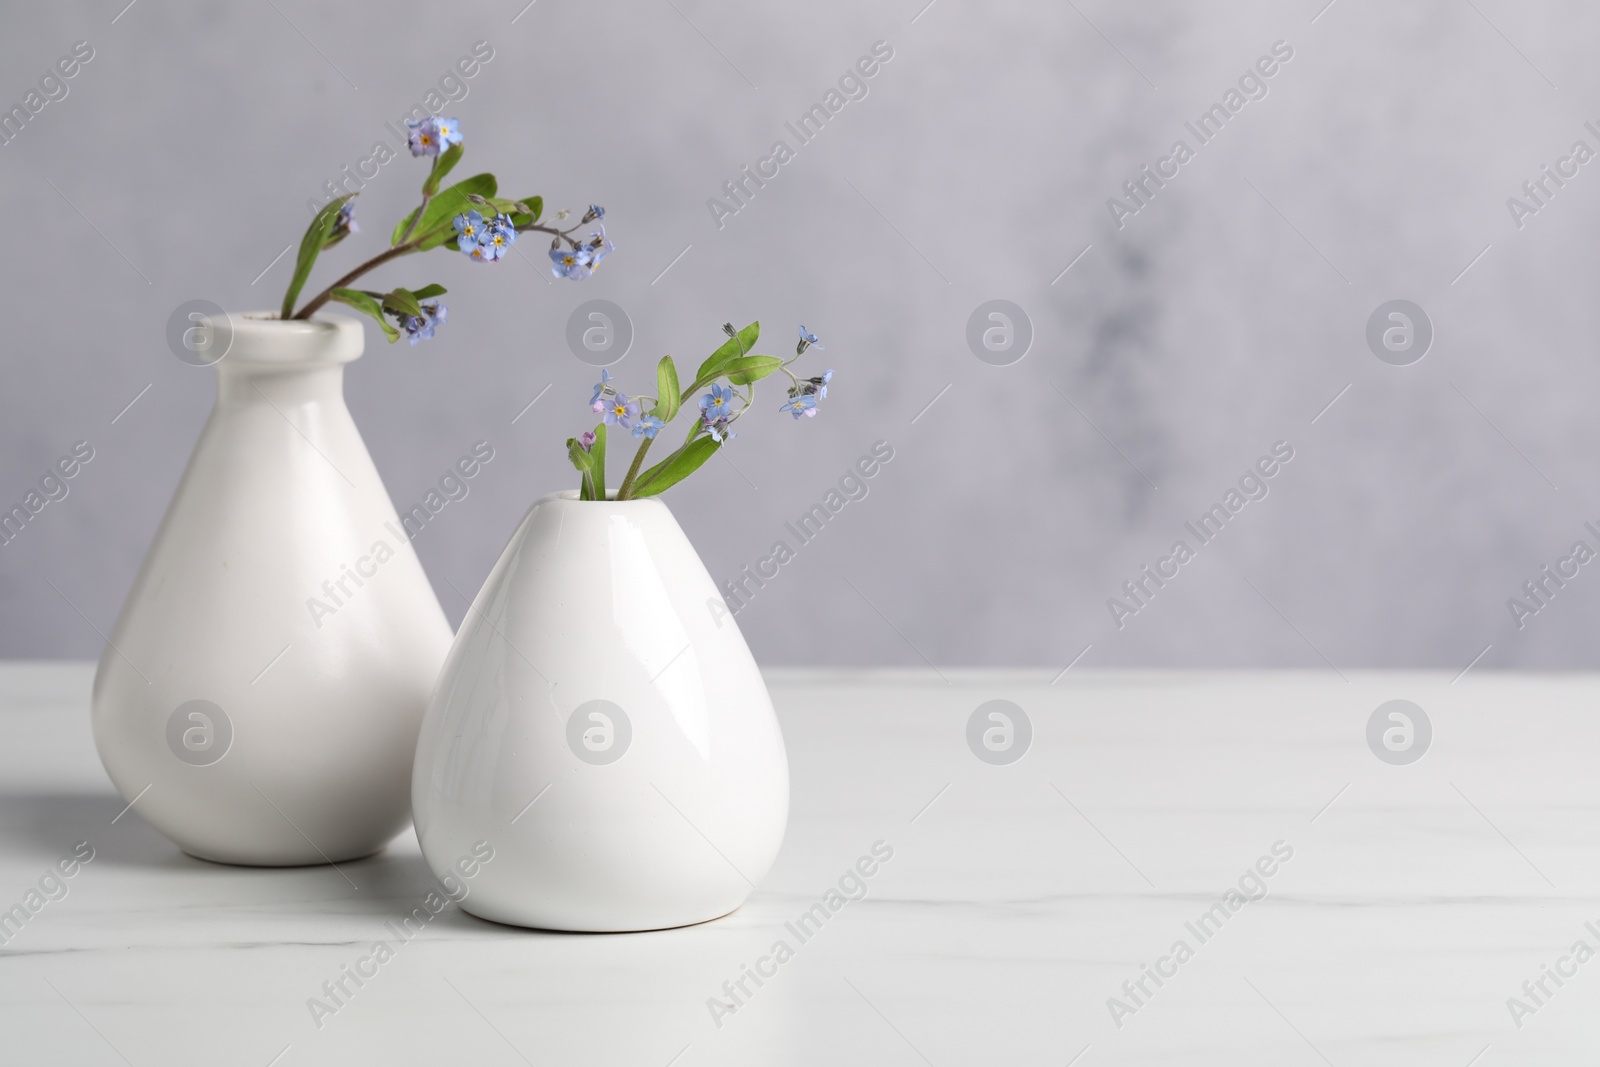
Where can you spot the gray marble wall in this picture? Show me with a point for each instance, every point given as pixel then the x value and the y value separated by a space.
pixel 1176 339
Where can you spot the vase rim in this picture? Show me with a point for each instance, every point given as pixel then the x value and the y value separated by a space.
pixel 571 496
pixel 261 338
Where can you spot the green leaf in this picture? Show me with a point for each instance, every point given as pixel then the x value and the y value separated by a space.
pixel 310 245
pixel 367 303
pixel 429 291
pixel 402 302
pixel 598 452
pixel 442 165
pixel 434 225
pixel 667 396
pixel 400 227
pixel 585 464
pixel 499 205
pixel 735 347
pixel 675 468
pixel 743 370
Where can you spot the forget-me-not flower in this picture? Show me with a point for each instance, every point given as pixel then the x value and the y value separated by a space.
pixel 817 386
pixel 620 411
pixel 499 235
pixel 344 224
pixel 422 137
pixel 807 340
pixel 801 406
pixel 469 231
pixel 420 327
pixel 449 132
pixel 717 404
pixel 599 247
pixel 571 263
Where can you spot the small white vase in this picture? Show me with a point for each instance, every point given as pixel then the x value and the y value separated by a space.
pixel 601 723
pixel 260 696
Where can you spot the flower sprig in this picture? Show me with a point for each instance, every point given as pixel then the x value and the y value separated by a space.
pixel 467 217
pixel 728 377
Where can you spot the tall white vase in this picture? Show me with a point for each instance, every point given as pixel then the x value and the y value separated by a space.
pixel 260 696
pixel 601 724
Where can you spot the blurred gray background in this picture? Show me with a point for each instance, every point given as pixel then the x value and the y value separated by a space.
pixel 1223 317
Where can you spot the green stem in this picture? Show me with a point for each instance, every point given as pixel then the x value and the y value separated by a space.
pixel 416 218
pixel 376 261
pixel 694 428
pixel 405 247
pixel 633 469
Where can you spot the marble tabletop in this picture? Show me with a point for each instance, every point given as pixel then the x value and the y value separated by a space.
pixel 1185 868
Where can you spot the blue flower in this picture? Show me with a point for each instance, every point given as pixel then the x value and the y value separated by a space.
pixel 602 386
pixel 595 212
pixel 425 136
pixel 498 237
pixel 469 233
pixel 420 327
pixel 449 132
pixel 648 426
pixel 571 263
pixel 817 386
pixel 801 406
pixel 620 411
pixel 718 431
pixel 807 340
pixel 717 404
pixel 599 247
pixel 344 224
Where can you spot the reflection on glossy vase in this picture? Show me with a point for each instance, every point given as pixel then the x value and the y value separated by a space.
pixel 604 729
pixel 261 693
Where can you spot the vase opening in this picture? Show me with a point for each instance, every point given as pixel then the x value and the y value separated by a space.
pixel 611 498
pixel 260 339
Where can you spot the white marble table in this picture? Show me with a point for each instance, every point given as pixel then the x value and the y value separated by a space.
pixel 1019 898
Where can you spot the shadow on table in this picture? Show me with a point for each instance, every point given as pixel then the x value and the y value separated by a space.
pixel 390 885
pixel 52 823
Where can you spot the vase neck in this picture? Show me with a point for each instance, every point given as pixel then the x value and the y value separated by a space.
pixel 281 386
pixel 286 364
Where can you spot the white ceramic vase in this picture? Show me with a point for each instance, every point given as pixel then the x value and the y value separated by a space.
pixel 260 696
pixel 601 723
